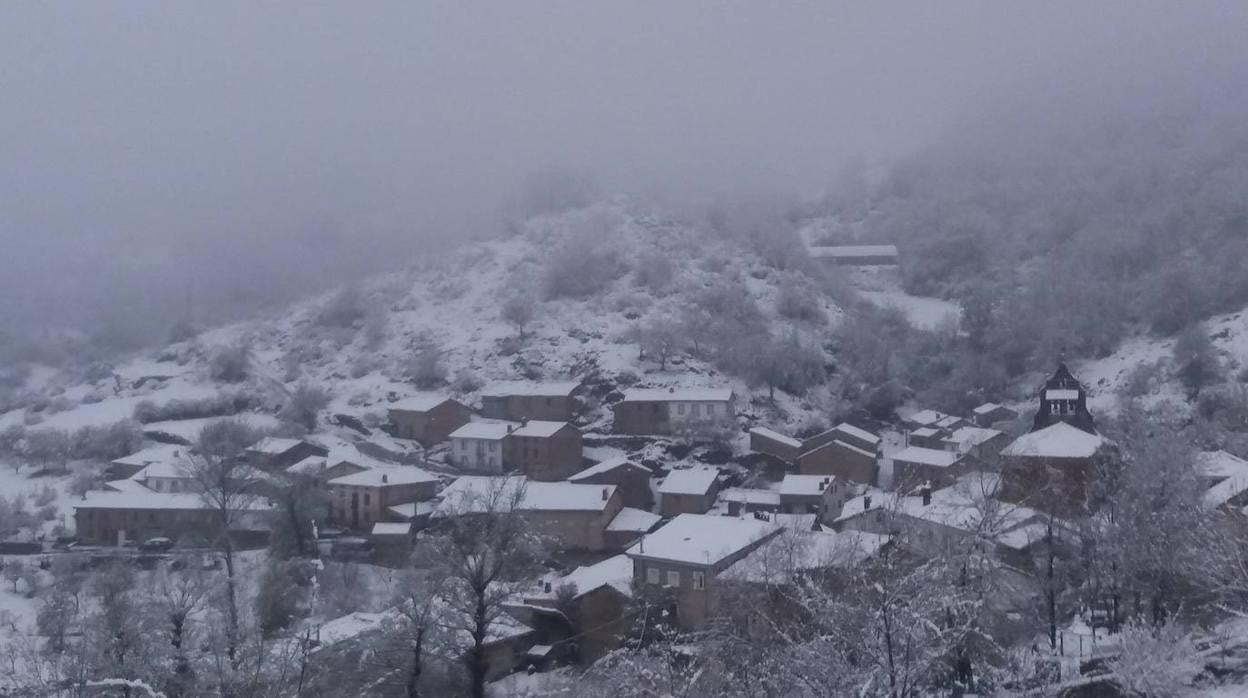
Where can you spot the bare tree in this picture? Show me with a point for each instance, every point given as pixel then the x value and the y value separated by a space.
pixel 660 338
pixel 519 310
pixel 304 405
pixel 225 485
pixel 485 554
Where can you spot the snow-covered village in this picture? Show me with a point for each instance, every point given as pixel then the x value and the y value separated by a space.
pixel 651 351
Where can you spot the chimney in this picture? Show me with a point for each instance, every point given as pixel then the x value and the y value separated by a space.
pixel 866 502
pixel 524 422
pixel 384 478
pixel 671 390
pixel 509 428
pixel 546 587
pixel 605 494
pixel 926 494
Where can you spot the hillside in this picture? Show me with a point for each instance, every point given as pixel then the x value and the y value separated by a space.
pixel 441 325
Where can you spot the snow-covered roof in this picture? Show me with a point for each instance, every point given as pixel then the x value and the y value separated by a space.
pixel 474 493
pixel 551 389
pixel 607 466
pixel 1231 473
pixel 923 432
pixel 631 520
pixel 948 422
pixel 1217 464
pixel 127 485
pixel 805 485
pixel 386 477
pixel 176 469
pixel 392 529
pixel 702 539
pixel 926 417
pixel 776 436
pixel 853 251
pixel 148 499
pixel 492 431
pixel 308 466
pixel 689 481
pixel 781 559
pixel 678 395
pixel 969 505
pixel 750 496
pixel 273 446
pixel 418 403
pixel 986 408
pixel 616 572
pixel 154 454
pixel 1059 440
pixel 538 428
pixel 1061 394
pixel 937 457
pixel 411 510
pixel 845 445
pixel 857 433
pixel 348 453
pixel 972 436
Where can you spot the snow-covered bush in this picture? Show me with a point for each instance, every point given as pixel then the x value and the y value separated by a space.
pixel 219 405
pixel 799 299
pixel 1155 662
pixel 426 369
pixel 343 309
pixel 466 382
pixel 230 364
pixel 655 271
pixel 305 403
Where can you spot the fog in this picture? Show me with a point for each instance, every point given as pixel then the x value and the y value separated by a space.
pixel 165 160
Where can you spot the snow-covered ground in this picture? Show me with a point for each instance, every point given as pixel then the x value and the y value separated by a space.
pixel 882 287
pixel 1105 378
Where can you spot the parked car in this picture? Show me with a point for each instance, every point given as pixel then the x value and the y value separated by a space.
pixel 156 545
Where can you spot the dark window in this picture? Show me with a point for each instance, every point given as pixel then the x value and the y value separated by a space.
pixel 365 500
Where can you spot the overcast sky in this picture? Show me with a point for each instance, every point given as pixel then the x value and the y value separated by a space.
pixel 255 146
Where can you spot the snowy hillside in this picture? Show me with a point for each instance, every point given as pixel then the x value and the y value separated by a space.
pixel 363 344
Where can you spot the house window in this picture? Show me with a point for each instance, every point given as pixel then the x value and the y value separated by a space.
pixel 652 575
pixel 365 500
pixel 699 580
pixel 673 579
pixel 680 408
pixel 493 445
pixel 463 445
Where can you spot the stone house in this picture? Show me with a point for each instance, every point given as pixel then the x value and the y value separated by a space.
pixel 127 466
pixel 1050 467
pixel 392 544
pixel 740 500
pixel 519 400
pixel 591 620
pixel 990 414
pixel 841 459
pixel 480 446
pixel 688 491
pixel 362 499
pixel 696 412
pixel 933 521
pixel 821 495
pixel 846 433
pixel 631 479
pixel 773 443
pixel 573 517
pixel 978 442
pixel 915 465
pixel 926 437
pixel 677 565
pixel 428 419
pixel 138 514
pixel 272 454
pixel 629 525
pixel 542 450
